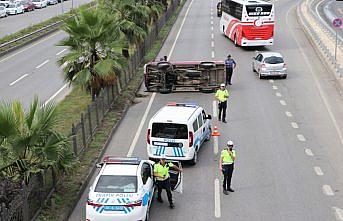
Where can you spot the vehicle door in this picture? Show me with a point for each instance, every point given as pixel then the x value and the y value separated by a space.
pixel 176 177
pixel 148 183
pixel 258 61
pixel 197 134
pixel 202 129
pixel 207 124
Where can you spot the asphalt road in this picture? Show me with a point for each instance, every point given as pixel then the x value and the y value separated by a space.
pixel 32 71
pixel 287 132
pixel 13 24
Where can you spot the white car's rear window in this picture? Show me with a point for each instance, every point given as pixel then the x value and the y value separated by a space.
pixel 116 184
pixel 170 131
pixel 273 60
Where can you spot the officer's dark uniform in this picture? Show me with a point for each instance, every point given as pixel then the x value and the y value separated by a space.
pixel 229 65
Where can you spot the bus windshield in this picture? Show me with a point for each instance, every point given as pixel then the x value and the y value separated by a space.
pixel 258 10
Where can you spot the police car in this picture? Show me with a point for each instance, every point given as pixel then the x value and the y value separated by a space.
pixel 122 191
pixel 177 131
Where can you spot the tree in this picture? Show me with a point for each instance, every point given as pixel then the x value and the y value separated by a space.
pixel 91 62
pixel 28 142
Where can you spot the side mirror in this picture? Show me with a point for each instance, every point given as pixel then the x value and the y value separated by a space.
pixel 99 165
pixel 254 58
pixel 209 117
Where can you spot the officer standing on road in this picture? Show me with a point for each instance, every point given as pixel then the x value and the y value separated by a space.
pixel 230 64
pixel 222 95
pixel 226 165
pixel 161 172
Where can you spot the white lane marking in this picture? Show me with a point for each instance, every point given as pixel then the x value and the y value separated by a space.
pixel 215 145
pixel 178 33
pixel 61 51
pixel 211 12
pixel 211 22
pixel 212 54
pixel 212 35
pixel 310 67
pixel 309 152
pixel 212 28
pixel 275 87
pixel 140 127
pixel 42 64
pixel 278 94
pixel 25 75
pixel 214 109
pixel 294 125
pixel 212 44
pixel 55 94
pixel 25 49
pixel 338 213
pixel 289 114
pixel 318 171
pixel 301 137
pixel 327 190
pixel 211 17
pixel 217 212
pixel 271 81
pixel 282 102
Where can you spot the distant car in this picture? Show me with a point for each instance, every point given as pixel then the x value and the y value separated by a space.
pixel 28 5
pixel 122 191
pixel 15 8
pixel 3 12
pixel 269 64
pixel 40 3
pixel 52 2
pixel 5 2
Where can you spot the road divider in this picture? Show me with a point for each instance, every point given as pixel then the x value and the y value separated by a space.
pixel 217 212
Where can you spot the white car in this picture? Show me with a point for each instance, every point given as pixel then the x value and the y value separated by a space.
pixel 269 64
pixel 3 12
pixel 15 8
pixel 122 191
pixel 40 3
pixel 52 2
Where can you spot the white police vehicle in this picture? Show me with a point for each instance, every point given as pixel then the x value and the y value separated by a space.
pixel 123 190
pixel 177 131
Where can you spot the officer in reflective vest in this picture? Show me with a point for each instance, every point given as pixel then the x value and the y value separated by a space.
pixel 226 162
pixel 222 95
pixel 161 173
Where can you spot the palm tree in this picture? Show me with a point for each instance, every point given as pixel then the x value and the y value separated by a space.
pixel 91 62
pixel 28 142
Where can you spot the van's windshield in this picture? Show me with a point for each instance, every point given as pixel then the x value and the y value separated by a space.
pixel 168 130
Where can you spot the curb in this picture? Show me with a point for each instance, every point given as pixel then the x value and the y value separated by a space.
pixel 326 62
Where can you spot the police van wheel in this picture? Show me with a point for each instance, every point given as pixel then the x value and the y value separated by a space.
pixel 195 158
pixel 260 76
pixel 165 90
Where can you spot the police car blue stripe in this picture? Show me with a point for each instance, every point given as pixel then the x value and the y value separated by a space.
pixel 164 150
pixel 178 152
pixel 174 151
pixel 182 155
pixel 107 200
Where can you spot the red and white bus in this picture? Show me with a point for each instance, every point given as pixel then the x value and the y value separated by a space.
pixel 247 22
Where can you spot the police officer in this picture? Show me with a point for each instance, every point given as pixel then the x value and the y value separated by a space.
pixel 226 165
pixel 222 95
pixel 161 173
pixel 230 64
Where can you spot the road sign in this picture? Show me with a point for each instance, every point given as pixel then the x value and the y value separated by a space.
pixel 337 22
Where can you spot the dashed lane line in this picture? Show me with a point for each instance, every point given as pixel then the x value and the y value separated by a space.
pixel 212 35
pixel 212 28
pixel 318 171
pixel 212 54
pixel 212 44
pixel 16 81
pixel 294 125
pixel 289 114
pixel 301 137
pixel 309 152
pixel 42 64
pixel 61 52
pixel 283 102
pixel 211 22
pixel 327 190
pixel 278 94
pixel 338 213
pixel 275 87
pixel 271 81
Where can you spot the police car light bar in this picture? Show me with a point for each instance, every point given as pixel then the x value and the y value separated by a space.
pixel 121 160
pixel 182 104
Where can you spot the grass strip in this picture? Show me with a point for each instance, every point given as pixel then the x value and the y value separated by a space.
pixel 66 192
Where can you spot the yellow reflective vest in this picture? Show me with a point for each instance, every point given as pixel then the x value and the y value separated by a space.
pixel 226 158
pixel 222 95
pixel 162 170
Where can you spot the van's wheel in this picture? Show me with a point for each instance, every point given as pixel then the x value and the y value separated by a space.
pixel 164 65
pixel 284 77
pixel 195 158
pixel 165 90
pixel 253 69
pixel 260 76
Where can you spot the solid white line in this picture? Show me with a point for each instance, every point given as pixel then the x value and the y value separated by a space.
pixel 178 33
pixel 278 94
pixel 61 51
pixel 301 137
pixel 318 171
pixel 25 75
pixel 271 81
pixel 282 102
pixel 294 125
pixel 55 94
pixel 275 87
pixel 214 109
pixel 212 35
pixel 212 44
pixel 310 67
pixel 309 152
pixel 25 49
pixel 138 132
pixel 41 65
pixel 327 190
pixel 212 54
pixel 338 213
pixel 215 145
pixel 217 212
pixel 288 114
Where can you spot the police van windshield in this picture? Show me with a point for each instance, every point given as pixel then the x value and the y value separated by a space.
pixel 259 10
pixel 168 130
pixel 273 60
pixel 116 184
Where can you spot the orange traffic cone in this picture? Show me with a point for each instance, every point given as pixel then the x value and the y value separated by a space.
pixel 215 132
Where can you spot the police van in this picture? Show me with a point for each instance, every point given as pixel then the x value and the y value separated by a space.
pixel 177 132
